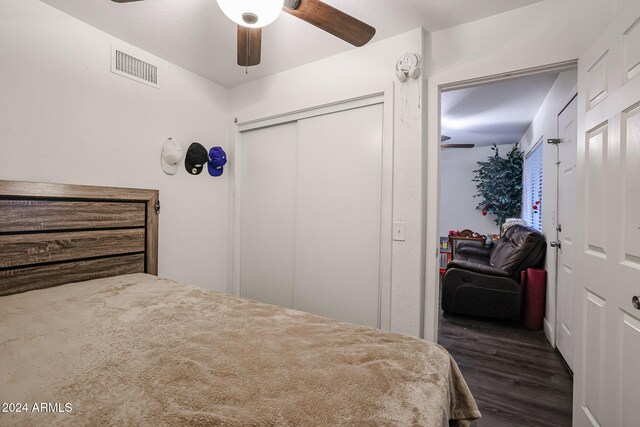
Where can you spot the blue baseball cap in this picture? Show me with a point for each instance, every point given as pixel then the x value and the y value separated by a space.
pixel 217 159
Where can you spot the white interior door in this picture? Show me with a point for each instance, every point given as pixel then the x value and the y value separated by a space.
pixel 607 322
pixel 310 214
pixel 339 212
pixel 567 152
pixel 268 163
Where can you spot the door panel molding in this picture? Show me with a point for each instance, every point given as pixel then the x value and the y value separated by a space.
pixel 630 152
pixel 594 346
pixel 595 184
pixel 628 367
pixel 632 50
pixel 597 86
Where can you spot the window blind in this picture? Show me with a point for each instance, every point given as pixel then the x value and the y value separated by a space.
pixel 532 206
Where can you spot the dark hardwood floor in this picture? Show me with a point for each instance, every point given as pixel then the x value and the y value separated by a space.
pixel 515 375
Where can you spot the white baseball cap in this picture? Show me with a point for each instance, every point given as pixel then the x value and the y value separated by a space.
pixel 171 156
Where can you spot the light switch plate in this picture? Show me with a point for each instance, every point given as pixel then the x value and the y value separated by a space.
pixel 399 231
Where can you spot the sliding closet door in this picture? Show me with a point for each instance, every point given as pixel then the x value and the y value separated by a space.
pixel 268 159
pixel 338 213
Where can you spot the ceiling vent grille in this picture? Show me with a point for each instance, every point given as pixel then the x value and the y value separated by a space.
pixel 134 68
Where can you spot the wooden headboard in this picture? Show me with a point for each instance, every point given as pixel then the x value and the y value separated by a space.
pixel 52 234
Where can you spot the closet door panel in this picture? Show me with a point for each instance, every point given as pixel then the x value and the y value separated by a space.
pixel 338 215
pixel 267 214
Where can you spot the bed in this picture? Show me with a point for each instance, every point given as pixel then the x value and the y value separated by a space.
pixel 90 335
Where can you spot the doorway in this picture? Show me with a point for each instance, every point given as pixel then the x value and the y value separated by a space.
pixel 506 365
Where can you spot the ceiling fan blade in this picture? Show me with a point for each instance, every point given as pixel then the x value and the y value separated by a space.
pixel 124 1
pixel 444 138
pixel 458 145
pixel 249 46
pixel 331 20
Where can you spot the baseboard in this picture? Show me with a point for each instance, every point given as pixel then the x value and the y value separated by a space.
pixel 550 332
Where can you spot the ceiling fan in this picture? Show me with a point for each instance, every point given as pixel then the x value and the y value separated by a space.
pixel 252 15
pixel 444 138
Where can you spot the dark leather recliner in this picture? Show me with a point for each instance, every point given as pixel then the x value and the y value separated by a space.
pixel 485 282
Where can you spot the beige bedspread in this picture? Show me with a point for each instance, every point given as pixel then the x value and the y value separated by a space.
pixel 138 350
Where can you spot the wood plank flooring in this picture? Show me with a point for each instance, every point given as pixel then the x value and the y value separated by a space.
pixel 515 375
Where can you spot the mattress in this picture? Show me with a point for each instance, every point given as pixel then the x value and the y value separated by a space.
pixel 139 350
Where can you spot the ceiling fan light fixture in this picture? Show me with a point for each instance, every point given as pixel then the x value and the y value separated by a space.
pixel 252 13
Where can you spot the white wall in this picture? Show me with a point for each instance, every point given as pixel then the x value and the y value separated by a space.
pixel 64 117
pixel 457 204
pixel 353 74
pixel 543 127
pixel 544 33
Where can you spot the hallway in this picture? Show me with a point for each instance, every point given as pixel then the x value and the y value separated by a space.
pixel 515 375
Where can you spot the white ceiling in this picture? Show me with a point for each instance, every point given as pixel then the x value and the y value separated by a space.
pixel 497 113
pixel 196 35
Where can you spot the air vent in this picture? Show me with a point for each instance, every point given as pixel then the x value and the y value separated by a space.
pixel 134 68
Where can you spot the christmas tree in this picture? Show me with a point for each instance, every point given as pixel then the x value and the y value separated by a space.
pixel 499 185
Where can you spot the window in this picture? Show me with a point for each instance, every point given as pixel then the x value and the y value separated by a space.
pixel 532 205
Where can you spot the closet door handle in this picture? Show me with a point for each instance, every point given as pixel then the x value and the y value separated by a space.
pixel 636 302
